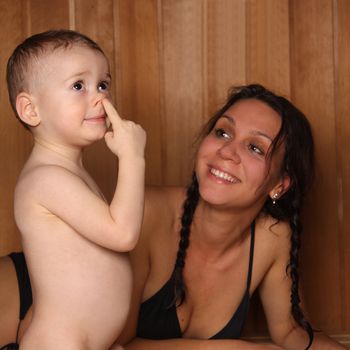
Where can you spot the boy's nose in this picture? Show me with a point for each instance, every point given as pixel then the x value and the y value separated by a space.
pixel 229 152
pixel 98 97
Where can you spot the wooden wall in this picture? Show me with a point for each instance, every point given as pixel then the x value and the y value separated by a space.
pixel 172 62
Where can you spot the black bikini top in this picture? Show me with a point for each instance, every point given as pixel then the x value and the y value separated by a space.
pixel 25 293
pixel 159 321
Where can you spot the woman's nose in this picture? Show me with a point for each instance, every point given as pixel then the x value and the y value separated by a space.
pixel 229 151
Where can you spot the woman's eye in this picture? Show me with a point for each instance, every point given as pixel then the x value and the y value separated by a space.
pixel 103 86
pixel 256 149
pixel 78 86
pixel 219 132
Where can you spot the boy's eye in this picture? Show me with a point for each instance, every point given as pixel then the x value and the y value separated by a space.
pixel 219 132
pixel 103 86
pixel 78 86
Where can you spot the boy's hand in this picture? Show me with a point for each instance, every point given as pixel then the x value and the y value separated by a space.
pixel 126 138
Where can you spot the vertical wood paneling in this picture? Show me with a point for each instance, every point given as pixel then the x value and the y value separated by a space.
pixel 268 44
pixel 313 80
pixel 182 84
pixel 44 15
pixel 15 140
pixel 172 62
pixel 138 81
pixel 342 109
pixel 226 49
pixel 95 19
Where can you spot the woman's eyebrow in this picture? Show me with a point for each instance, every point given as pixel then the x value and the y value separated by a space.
pixel 229 118
pixel 255 132
pixel 259 133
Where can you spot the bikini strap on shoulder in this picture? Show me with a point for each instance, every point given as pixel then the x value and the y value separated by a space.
pixel 251 254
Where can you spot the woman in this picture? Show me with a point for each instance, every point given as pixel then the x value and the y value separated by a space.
pixel 239 231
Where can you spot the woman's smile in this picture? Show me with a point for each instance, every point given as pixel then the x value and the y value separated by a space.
pixel 223 176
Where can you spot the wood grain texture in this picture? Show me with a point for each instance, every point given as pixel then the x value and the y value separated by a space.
pixel 45 15
pixel 15 140
pixel 341 17
pixel 182 84
pixel 172 62
pixel 312 67
pixel 138 81
pixel 225 50
pixel 268 44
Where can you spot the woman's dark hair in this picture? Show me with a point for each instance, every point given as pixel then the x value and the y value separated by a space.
pixel 298 163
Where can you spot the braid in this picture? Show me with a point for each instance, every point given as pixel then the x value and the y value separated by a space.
pixel 298 316
pixel 189 208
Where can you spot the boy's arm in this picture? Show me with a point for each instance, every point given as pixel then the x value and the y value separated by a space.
pixel 127 141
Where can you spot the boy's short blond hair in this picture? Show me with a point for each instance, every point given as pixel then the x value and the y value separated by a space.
pixel 23 66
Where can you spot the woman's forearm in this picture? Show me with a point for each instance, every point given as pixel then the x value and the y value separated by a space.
pixel 195 344
pixel 298 339
pixel 323 342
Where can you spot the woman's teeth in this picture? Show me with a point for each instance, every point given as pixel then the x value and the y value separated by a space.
pixel 221 175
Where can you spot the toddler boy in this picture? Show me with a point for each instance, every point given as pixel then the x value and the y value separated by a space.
pixel 75 243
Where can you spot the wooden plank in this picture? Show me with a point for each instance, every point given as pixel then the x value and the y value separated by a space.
pixel 94 18
pixel 45 15
pixel 225 49
pixel 342 93
pixel 138 75
pixel 15 141
pixel 182 84
pixel 268 44
pixel 313 91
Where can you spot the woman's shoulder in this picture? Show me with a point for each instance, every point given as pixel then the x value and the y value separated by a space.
pixel 272 248
pixel 158 239
pixel 162 209
pixel 273 234
pixel 162 202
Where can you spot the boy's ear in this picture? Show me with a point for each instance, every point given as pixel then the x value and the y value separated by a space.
pixel 26 109
pixel 281 187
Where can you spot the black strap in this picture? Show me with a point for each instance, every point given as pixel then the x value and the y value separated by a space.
pixel 12 346
pixel 251 254
pixel 25 290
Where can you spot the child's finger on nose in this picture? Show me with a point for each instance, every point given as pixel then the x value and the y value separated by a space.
pixel 112 113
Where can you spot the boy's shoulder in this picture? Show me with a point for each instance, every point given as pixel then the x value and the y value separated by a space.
pixel 44 176
pixel 43 171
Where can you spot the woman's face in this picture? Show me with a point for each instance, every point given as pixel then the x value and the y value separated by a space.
pixel 233 168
